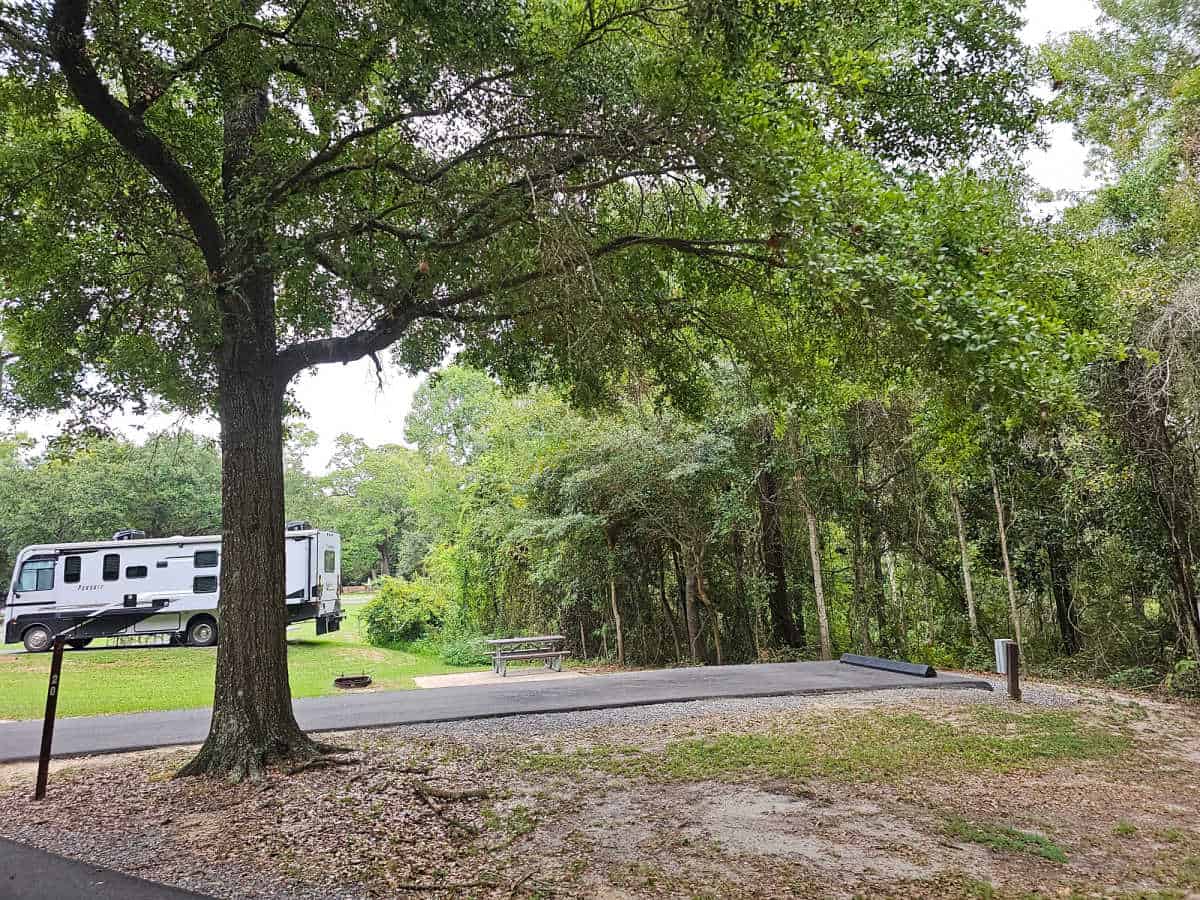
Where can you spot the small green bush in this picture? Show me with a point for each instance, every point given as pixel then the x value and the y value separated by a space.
pixel 1136 678
pixel 402 611
pixel 787 654
pixel 1184 678
pixel 940 656
pixel 464 650
pixel 980 657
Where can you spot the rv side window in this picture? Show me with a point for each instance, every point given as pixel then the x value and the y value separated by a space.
pixel 205 559
pixel 112 567
pixel 135 571
pixel 204 584
pixel 330 561
pixel 36 575
pixel 71 569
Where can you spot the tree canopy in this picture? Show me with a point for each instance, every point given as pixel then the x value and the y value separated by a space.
pixel 760 282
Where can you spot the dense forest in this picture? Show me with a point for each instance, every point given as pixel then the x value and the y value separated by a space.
pixel 964 410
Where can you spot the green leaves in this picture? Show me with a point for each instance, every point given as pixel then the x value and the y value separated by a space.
pixel 169 485
pixel 564 189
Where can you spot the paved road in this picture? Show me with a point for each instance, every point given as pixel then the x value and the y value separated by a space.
pixel 29 874
pixel 137 731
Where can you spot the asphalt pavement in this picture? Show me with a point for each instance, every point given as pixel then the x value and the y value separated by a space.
pixel 374 709
pixel 29 874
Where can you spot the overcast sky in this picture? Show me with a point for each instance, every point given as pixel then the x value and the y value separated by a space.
pixel 348 399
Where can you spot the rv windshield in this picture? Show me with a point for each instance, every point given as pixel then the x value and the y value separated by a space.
pixel 36 575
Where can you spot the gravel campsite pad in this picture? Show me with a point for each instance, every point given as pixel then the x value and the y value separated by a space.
pixel 901 793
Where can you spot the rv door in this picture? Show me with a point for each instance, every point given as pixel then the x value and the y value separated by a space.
pixel 329 582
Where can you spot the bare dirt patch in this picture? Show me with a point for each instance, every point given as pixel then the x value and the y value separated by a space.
pixel 908 795
pixel 515 676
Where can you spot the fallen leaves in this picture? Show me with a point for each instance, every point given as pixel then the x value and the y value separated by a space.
pixel 445 812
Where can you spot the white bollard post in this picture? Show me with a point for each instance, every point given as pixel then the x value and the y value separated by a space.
pixel 1001 659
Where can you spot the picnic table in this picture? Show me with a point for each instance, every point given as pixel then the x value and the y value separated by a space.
pixel 546 647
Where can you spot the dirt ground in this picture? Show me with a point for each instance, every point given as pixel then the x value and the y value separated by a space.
pixel 947 794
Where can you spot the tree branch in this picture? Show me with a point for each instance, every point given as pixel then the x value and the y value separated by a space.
pixel 215 43
pixel 68 44
pixel 445 240
pixel 334 148
pixel 400 313
pixel 365 342
pixel 403 311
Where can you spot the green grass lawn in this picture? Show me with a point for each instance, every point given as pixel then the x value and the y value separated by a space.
pixel 143 678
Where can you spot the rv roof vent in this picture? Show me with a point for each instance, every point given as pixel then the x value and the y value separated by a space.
pixel 129 534
pixel 298 525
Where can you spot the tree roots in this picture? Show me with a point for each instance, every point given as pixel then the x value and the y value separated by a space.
pixel 236 758
pixel 427 792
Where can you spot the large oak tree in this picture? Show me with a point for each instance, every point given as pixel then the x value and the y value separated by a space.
pixel 202 200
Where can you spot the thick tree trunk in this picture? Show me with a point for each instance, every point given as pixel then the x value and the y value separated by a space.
pixel 784 626
pixel 965 556
pixel 1008 575
pixel 1064 599
pixel 252 720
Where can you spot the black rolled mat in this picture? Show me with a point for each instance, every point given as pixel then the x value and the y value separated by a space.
pixel 919 670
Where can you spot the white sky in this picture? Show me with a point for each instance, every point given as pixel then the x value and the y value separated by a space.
pixel 348 400
pixel 1062 164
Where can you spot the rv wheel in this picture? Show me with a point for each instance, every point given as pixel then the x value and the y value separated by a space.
pixel 79 644
pixel 37 639
pixel 202 632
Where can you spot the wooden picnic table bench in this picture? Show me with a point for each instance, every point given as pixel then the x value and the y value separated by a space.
pixel 546 647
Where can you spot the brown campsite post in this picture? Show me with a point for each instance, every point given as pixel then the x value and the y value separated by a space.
pixel 1012 663
pixel 43 771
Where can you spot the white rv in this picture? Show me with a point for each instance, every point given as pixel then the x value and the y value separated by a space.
pixel 133 585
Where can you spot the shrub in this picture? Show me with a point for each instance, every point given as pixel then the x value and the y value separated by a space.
pixel 787 654
pixel 980 657
pixel 1135 678
pixel 464 650
pixel 1184 678
pixel 402 611
pixel 940 656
